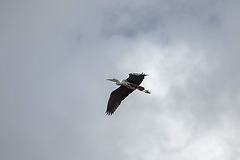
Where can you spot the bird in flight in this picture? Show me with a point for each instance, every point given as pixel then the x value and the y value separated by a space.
pixel 127 86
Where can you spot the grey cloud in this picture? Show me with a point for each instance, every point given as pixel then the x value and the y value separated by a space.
pixel 54 92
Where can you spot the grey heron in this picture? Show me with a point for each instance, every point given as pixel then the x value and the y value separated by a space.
pixel 127 86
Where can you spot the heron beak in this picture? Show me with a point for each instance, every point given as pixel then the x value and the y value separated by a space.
pixel 109 79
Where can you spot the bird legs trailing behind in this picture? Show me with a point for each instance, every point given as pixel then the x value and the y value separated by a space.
pixel 140 88
pixel 129 85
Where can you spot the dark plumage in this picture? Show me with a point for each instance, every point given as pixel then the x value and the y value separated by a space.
pixel 127 86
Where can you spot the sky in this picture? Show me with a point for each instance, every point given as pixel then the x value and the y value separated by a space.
pixel 55 57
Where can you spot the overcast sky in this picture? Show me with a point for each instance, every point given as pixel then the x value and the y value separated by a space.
pixel 55 57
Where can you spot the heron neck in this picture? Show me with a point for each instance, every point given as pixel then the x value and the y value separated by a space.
pixel 118 82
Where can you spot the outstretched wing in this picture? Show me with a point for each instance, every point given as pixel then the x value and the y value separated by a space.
pixel 116 98
pixel 136 78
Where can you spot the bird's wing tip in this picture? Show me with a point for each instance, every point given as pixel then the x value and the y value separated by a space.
pixel 139 74
pixel 108 113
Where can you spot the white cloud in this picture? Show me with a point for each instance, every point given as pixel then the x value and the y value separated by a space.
pixel 55 57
